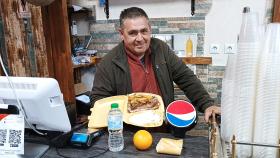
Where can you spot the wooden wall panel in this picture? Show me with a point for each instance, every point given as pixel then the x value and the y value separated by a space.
pixel 16 45
pixel 3 52
pixel 39 43
pixel 58 46
pixel 276 11
pixel 24 40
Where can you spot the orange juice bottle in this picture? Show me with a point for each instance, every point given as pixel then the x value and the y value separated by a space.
pixel 189 47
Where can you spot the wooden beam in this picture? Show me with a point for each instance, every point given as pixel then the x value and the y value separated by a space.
pixel 25 52
pixel 15 38
pixel 3 52
pixel 58 47
pixel 46 26
pixel 40 46
pixel 197 60
pixel 39 43
pixel 276 11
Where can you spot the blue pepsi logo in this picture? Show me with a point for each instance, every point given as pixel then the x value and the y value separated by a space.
pixel 180 113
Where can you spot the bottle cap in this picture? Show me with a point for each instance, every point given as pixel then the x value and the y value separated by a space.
pixel 114 105
pixel 246 9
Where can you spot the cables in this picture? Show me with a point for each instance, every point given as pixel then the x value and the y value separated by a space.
pixel 93 149
pixel 101 150
pixel 20 106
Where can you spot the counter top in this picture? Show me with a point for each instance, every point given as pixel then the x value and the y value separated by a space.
pixel 194 146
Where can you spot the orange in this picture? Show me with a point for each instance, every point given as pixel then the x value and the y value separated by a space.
pixel 142 140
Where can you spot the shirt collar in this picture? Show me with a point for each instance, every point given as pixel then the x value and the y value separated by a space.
pixel 134 57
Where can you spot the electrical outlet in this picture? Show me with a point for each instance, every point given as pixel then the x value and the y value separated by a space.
pixel 214 48
pixel 230 48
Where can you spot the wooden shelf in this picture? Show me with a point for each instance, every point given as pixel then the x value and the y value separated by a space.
pixel 83 65
pixel 197 60
pixel 187 60
pixel 94 61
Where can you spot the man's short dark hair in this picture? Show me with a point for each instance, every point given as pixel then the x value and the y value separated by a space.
pixel 132 12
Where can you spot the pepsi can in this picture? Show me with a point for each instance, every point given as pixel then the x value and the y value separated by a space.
pixel 181 116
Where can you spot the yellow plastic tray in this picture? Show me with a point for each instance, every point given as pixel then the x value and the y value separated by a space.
pixel 147 118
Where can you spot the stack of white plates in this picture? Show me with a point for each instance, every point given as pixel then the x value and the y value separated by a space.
pixel 268 95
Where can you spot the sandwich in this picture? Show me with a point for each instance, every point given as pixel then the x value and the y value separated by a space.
pixel 141 102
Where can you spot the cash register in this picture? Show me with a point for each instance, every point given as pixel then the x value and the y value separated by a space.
pixel 41 103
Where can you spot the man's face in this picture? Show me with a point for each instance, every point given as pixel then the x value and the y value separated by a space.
pixel 136 34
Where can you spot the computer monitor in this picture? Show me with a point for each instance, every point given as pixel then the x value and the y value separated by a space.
pixel 41 99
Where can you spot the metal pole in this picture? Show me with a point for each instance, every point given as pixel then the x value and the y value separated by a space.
pixel 233 146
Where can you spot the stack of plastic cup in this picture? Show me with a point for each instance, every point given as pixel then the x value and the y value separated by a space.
pixel 245 81
pixel 268 95
pixel 250 28
pixel 228 99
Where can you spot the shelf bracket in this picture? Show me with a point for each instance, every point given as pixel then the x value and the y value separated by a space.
pixel 192 7
pixel 106 9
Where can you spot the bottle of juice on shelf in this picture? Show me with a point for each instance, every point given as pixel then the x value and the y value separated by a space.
pixel 189 47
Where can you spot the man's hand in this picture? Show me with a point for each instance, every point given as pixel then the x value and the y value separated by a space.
pixel 209 110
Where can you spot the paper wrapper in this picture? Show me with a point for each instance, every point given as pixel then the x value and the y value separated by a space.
pixel 147 118
pixel 170 146
pixel 99 112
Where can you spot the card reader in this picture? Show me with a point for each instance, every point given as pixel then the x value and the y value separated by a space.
pixel 84 139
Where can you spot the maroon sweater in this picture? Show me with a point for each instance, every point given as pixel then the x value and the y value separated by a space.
pixel 142 73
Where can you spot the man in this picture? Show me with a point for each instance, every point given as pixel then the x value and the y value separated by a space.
pixel 144 64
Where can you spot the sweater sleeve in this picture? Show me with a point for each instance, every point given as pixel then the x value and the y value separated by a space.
pixel 188 82
pixel 102 84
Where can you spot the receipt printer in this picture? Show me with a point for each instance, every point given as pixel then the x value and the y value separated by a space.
pixel 84 138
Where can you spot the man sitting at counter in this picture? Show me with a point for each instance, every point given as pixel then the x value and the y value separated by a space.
pixel 144 64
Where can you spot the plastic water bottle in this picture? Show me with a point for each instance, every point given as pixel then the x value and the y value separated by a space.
pixel 115 128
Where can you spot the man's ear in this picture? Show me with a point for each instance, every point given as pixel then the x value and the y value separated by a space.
pixel 121 33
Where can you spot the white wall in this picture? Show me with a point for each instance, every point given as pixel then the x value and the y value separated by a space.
pixel 223 23
pixel 154 8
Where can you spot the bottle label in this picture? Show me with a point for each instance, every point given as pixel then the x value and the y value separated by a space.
pixel 115 123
